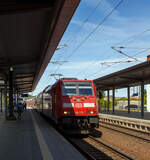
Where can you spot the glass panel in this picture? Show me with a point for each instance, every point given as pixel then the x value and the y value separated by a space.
pixel 85 84
pixel 69 91
pixel 85 89
pixel 77 88
pixel 46 97
pixel 85 92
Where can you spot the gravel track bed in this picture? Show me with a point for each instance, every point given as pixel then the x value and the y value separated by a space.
pixel 130 145
pixel 98 150
pixel 131 132
pixel 89 148
pixel 108 151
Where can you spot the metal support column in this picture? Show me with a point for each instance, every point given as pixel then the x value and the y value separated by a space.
pixel 1 99
pixel 108 100
pixel 5 100
pixel 105 106
pixel 113 102
pixel 142 100
pixel 128 99
pixel 11 107
pixel 17 99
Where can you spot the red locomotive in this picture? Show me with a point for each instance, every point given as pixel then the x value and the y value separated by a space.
pixel 71 104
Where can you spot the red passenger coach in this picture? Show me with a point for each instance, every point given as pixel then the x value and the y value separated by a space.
pixel 72 104
pixel 31 103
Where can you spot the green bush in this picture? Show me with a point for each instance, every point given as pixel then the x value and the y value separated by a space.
pixel 104 103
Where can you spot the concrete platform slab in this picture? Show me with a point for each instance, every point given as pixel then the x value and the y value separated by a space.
pixel 32 138
pixel 123 119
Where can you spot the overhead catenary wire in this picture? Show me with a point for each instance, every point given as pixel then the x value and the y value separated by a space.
pixel 93 31
pixel 85 21
pixel 80 28
pixel 108 66
pixel 141 52
pixel 58 61
pixel 119 51
pixel 107 63
pixel 134 37
pixel 102 70
pixel 129 39
pixel 98 25
pixel 122 47
pixel 126 41
pixel 145 49
pixel 82 25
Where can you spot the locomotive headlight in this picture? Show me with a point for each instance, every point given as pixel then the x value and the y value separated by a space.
pixel 65 112
pixel 89 105
pixel 90 112
pixel 82 99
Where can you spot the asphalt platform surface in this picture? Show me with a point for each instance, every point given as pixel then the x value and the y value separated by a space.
pixel 32 138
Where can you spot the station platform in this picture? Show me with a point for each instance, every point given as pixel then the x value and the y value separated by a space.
pixel 130 120
pixel 132 114
pixel 32 138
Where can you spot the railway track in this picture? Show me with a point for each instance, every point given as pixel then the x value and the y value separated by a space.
pixel 95 149
pixel 136 134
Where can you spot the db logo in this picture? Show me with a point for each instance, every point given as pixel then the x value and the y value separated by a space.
pixel 78 105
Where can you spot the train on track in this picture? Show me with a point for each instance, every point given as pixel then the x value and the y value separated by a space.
pixel 71 104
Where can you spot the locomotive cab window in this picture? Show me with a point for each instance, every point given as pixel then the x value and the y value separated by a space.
pixel 77 89
pixel 68 89
pixel 85 89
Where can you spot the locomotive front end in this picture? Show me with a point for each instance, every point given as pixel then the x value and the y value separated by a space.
pixel 79 107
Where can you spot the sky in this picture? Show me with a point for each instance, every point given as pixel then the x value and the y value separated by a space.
pixel 95 28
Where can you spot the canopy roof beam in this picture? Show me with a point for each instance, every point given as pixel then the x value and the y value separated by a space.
pixel 21 6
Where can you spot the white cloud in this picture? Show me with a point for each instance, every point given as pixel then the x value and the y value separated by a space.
pixel 112 34
pixel 90 65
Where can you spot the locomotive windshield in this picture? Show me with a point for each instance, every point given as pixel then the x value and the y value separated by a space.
pixel 68 89
pixel 77 88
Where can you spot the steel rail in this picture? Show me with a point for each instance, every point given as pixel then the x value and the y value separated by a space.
pixel 81 150
pixel 111 148
pixel 126 132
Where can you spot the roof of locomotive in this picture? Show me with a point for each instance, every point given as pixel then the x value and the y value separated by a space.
pixel 73 79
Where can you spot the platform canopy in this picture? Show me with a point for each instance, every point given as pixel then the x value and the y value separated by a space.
pixel 132 76
pixel 30 31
